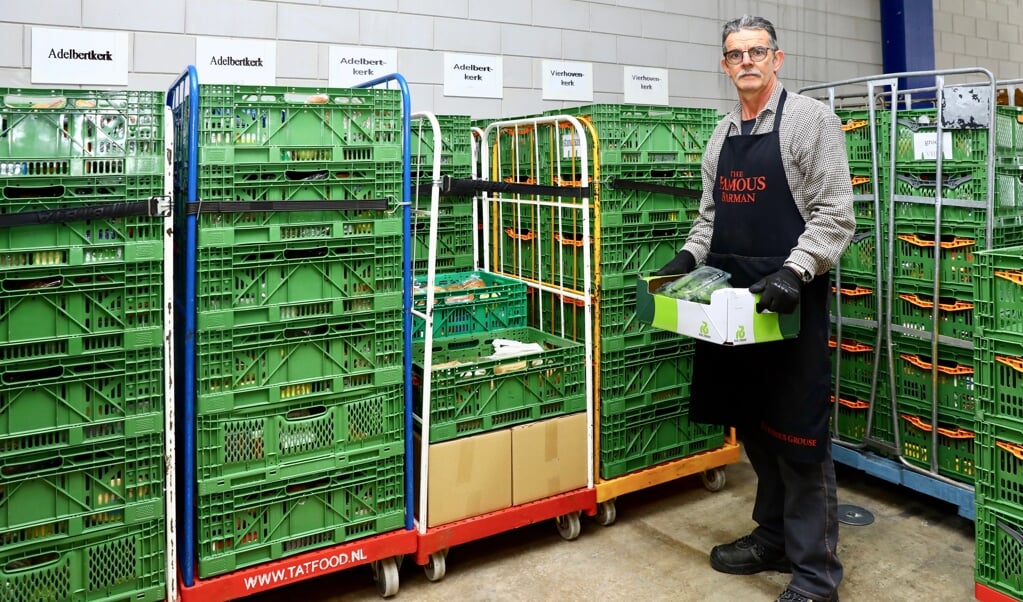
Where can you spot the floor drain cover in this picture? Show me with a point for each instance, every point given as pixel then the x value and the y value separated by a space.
pixel 854 515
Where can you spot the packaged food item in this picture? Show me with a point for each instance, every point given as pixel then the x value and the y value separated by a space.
pixel 696 285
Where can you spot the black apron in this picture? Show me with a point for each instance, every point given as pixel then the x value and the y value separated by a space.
pixel 775 392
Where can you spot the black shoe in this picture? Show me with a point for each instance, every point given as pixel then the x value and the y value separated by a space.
pixel 790 596
pixel 745 556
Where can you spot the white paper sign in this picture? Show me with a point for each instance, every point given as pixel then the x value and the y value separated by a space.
pixel 925 146
pixel 476 76
pixel 646 85
pixel 567 81
pixel 75 56
pixel 236 61
pixel 351 65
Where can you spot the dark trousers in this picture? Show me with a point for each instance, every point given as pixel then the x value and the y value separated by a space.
pixel 796 510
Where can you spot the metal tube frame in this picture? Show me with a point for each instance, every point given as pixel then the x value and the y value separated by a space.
pixel 891 81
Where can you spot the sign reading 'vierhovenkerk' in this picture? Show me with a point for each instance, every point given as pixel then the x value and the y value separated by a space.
pixel 351 65
pixel 72 56
pixel 231 61
pixel 646 85
pixel 567 81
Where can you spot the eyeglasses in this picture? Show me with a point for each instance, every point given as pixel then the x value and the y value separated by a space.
pixel 756 54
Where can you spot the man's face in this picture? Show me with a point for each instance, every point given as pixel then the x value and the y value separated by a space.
pixel 750 76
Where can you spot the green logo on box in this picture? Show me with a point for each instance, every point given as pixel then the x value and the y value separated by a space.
pixel 704 329
pixel 740 334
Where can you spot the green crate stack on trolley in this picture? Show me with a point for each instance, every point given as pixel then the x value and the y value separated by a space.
pixel 857 298
pixel 299 404
pixel 645 155
pixel 455 222
pixel 81 346
pixel 998 356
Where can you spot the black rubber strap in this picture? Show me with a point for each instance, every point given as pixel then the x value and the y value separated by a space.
pixel 466 187
pixel 282 206
pixel 148 207
pixel 689 193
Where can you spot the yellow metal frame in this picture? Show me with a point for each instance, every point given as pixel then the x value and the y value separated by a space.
pixel 609 489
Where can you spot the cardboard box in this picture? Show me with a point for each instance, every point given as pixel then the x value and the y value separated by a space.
pixel 468 477
pixel 731 317
pixel 548 457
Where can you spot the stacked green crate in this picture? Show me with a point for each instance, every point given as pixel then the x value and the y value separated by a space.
pixel 299 411
pixel 455 223
pixel 643 152
pixel 998 288
pixel 81 347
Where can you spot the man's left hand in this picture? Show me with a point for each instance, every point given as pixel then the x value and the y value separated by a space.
pixel 779 291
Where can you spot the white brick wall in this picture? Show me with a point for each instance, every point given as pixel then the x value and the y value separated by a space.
pixel 834 39
pixel 979 33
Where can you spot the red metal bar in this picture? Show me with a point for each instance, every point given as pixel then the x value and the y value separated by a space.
pixel 986 594
pixel 445 536
pixel 271 575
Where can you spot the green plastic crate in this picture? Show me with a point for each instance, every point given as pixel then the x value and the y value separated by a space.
pixel 965 182
pixel 456 145
pixel 81 132
pixel 999 381
pixel 473 393
pixel 852 418
pixel 296 276
pixel 316 181
pixel 292 439
pixel 312 359
pixel 652 434
pixel 277 519
pixel 856 353
pixel 1009 130
pixel 999 465
pixel 998 293
pixel 956 395
pixel 856 125
pixel 64 303
pixel 643 375
pixel 127 563
pixel 49 405
pixel 999 536
pixel 454 237
pixel 80 489
pixel 915 310
pixel 326 227
pixel 628 201
pixel 470 303
pixel 859 302
pixel 956 447
pixel 916 251
pixel 859 259
pixel 290 125
pixel 916 140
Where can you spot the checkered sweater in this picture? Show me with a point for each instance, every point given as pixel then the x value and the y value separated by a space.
pixel 817 169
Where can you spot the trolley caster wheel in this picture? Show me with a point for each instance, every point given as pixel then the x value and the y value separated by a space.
pixel 606 513
pixel 435 567
pixel 569 526
pixel 713 479
pixel 385 572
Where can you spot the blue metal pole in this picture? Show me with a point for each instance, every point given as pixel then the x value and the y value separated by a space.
pixel 186 556
pixel 907 37
pixel 406 213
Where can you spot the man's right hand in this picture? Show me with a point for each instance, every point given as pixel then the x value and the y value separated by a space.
pixel 683 263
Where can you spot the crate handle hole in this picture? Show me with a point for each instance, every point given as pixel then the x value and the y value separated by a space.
pixel 294 333
pixel 25 376
pixel 33 192
pixel 305 253
pixel 30 467
pixel 305 176
pixel 27 564
pixel 305 413
pixel 23 284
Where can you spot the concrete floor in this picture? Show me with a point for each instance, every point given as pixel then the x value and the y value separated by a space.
pixel 918 548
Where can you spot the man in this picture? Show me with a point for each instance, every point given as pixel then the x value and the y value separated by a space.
pixel 776 214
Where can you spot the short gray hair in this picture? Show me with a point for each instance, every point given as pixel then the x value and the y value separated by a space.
pixel 749 22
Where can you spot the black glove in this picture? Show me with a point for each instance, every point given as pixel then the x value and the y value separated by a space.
pixel 780 291
pixel 683 263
